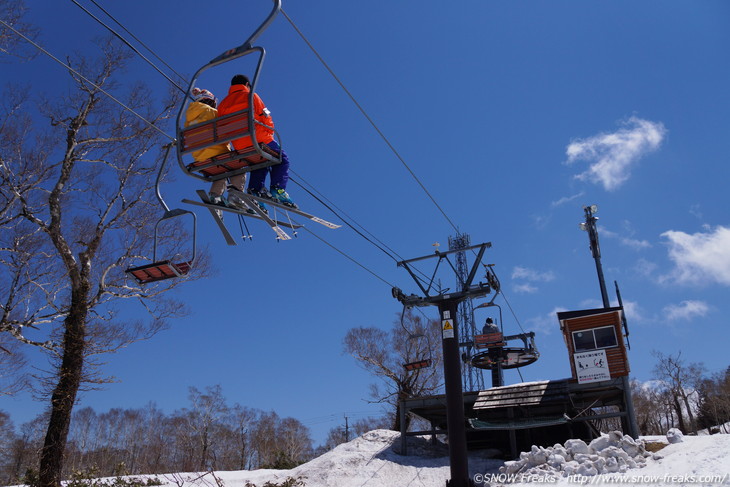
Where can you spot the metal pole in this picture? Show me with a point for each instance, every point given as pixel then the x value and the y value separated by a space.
pixel 454 395
pixel 596 251
pixel 630 413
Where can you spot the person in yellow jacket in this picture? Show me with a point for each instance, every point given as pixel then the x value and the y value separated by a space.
pixel 202 109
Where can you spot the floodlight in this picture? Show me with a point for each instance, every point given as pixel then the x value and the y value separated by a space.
pixel 582 226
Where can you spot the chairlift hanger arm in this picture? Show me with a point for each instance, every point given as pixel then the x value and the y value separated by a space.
pixel 444 255
pixel 477 261
pixel 439 253
pixel 159 178
pixel 468 290
pixel 416 278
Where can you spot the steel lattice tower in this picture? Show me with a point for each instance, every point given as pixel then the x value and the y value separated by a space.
pixel 471 376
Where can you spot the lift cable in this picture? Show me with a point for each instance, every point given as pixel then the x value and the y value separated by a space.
pixel 329 207
pixel 129 44
pixel 47 53
pixel 112 97
pixel 347 256
pixel 389 254
pixel 125 41
pixel 339 213
pixel 512 311
pixel 183 78
pixel 365 114
pixel 172 139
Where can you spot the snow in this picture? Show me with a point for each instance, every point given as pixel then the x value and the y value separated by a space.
pixel 372 461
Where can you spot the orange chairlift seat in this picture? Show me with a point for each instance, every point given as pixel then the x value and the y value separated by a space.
pixel 418 364
pixel 159 270
pixel 164 269
pixel 218 131
pixel 489 340
pixel 228 127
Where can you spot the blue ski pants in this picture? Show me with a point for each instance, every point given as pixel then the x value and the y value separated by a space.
pixel 279 172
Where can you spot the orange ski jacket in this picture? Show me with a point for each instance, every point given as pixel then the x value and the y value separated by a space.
pixel 236 101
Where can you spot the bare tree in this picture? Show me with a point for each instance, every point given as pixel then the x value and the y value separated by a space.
pixel 7 438
pixel 295 442
pixel 23 452
pixel 241 421
pixel 384 354
pixel 75 211
pixel 714 407
pixel 13 377
pixel 11 44
pixel 682 381
pixel 205 417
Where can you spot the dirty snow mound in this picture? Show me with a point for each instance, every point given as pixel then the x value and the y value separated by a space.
pixel 609 453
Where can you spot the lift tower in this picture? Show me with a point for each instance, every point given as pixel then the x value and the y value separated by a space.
pixel 471 376
pixel 448 303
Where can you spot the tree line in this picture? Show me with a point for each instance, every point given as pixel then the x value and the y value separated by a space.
pixel 207 435
pixel 682 395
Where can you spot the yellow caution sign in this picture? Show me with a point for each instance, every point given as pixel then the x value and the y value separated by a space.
pixel 448 329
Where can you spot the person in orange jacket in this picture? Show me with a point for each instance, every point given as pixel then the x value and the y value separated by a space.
pixel 236 101
pixel 202 109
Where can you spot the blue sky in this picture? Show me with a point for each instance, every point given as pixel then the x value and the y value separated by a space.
pixel 514 115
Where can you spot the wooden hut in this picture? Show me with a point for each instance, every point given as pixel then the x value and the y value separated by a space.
pixel 592 334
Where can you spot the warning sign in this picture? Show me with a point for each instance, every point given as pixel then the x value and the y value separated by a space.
pixel 591 366
pixel 448 329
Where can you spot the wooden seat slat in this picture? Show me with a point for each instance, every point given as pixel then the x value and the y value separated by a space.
pixel 487 340
pixel 218 131
pixel 158 271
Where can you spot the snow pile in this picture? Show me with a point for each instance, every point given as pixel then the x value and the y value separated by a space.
pixel 371 460
pixel 675 436
pixel 609 453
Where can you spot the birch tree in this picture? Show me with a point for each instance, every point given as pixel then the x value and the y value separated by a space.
pixel 77 207
pixel 384 354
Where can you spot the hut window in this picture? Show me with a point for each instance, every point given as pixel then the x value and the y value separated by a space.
pixel 604 337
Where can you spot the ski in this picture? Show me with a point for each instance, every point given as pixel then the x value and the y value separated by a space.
pixel 247 197
pixel 218 219
pixel 280 233
pixel 255 216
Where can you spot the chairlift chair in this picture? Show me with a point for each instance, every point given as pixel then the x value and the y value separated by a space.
pixel 494 350
pixel 160 270
pixel 232 126
pixel 420 363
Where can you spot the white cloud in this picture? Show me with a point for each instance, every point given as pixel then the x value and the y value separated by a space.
pixel 686 310
pixel 635 243
pixel 626 241
pixel 634 312
pixel 532 275
pixel 524 288
pixel 567 199
pixel 612 155
pixel 546 324
pixel 695 211
pixel 700 257
pixel 645 268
